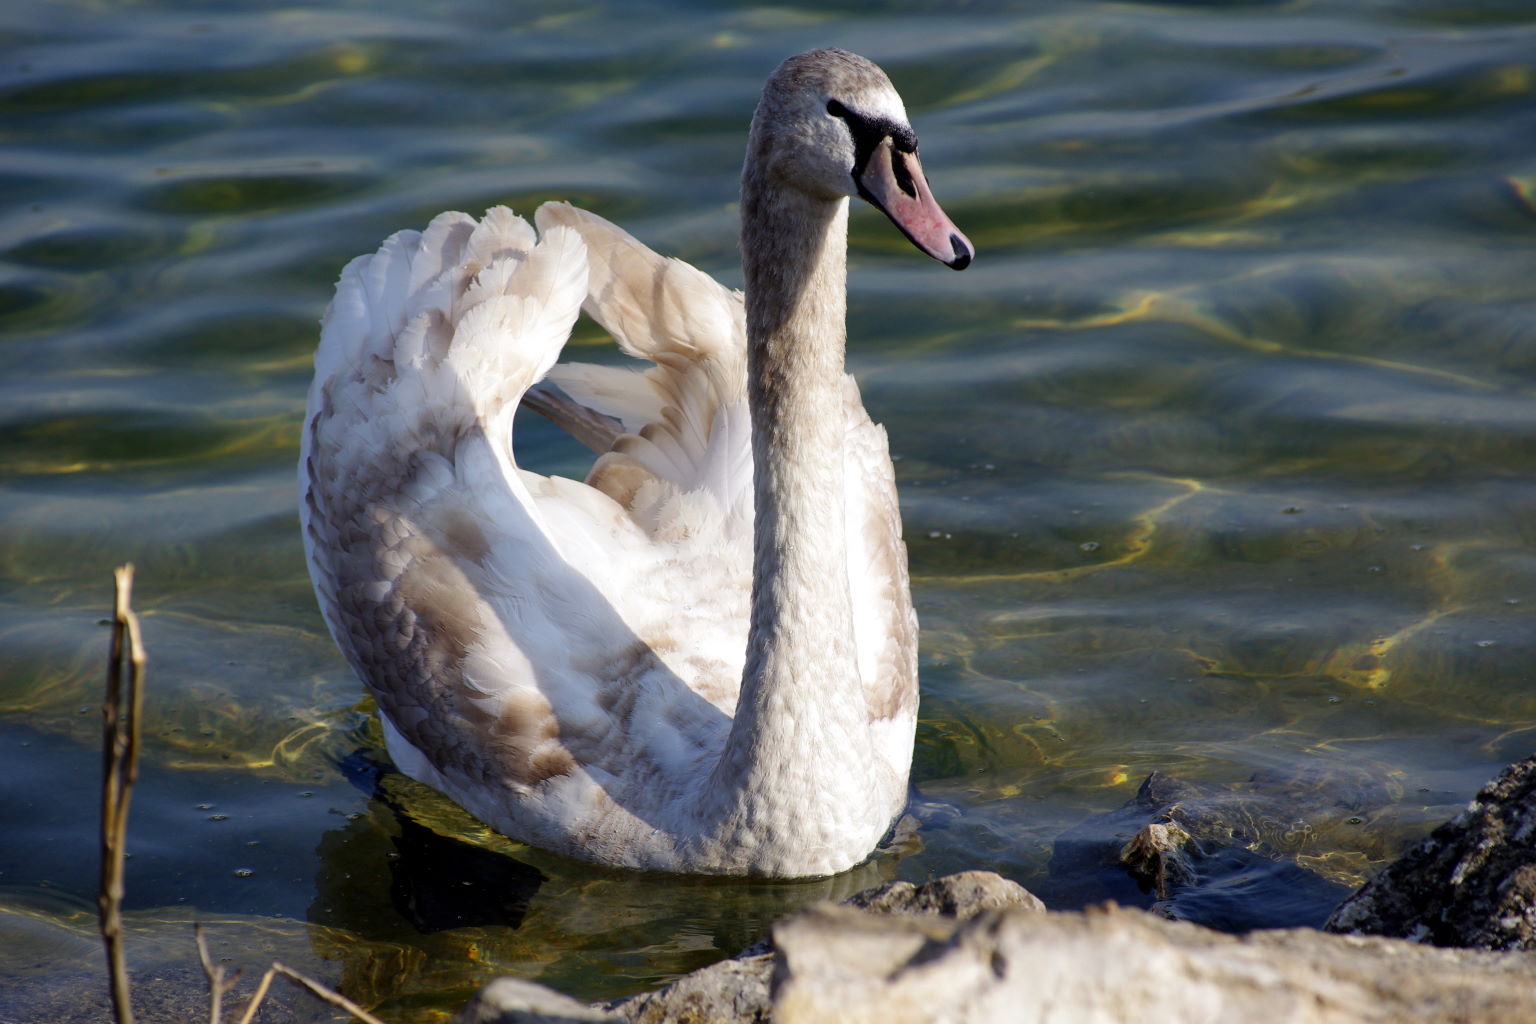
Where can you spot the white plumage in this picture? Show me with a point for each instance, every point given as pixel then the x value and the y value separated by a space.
pixel 569 660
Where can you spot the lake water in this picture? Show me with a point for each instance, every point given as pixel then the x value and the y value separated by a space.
pixel 1219 462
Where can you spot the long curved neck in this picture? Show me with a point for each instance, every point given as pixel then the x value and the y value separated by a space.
pixel 800 735
pixel 795 263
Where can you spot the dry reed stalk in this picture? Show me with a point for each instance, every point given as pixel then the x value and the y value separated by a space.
pixel 218 987
pixel 120 713
pixel 336 999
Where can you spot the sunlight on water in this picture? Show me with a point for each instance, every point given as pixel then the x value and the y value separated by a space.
pixel 1218 463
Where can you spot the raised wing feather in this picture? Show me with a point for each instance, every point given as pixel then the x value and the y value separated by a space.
pixel 686 415
pixel 405 473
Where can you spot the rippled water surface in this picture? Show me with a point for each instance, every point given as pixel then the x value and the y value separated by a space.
pixel 1218 462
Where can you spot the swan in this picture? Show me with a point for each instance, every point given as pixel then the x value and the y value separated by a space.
pixel 702 658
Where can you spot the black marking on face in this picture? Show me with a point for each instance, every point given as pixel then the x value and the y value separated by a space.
pixel 903 174
pixel 868 133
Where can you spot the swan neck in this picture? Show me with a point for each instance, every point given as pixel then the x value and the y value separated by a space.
pixel 799 743
pixel 801 632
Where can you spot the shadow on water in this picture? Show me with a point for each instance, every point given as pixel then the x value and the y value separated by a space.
pixel 418 882
pixel 438 882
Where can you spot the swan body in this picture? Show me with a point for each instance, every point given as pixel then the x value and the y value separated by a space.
pixel 702 658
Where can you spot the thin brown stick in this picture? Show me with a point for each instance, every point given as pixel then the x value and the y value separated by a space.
pixel 218 985
pixel 260 994
pixel 315 988
pixel 213 973
pixel 120 713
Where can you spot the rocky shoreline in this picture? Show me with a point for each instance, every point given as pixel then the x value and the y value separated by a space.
pixel 1445 933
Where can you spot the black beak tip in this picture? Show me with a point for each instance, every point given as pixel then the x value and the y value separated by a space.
pixel 963 254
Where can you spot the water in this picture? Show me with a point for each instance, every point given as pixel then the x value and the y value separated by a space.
pixel 1218 462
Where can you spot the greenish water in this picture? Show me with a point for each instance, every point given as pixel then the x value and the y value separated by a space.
pixel 1220 461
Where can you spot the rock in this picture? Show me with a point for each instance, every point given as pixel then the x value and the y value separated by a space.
pixel 1111 965
pixel 975 947
pixel 737 990
pixel 1307 834
pixel 961 895
pixel 1159 854
pixel 1470 883
pixel 516 1001
pixel 731 992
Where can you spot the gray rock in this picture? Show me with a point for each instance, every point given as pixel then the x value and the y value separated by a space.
pixel 977 948
pixel 516 1001
pixel 961 895
pixel 737 990
pixel 1110 965
pixel 731 992
pixel 1470 883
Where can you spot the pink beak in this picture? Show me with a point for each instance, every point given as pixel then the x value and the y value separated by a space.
pixel 894 182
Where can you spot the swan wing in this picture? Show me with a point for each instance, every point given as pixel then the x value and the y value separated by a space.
pixel 487 608
pixel 884 623
pixel 400 476
pixel 687 425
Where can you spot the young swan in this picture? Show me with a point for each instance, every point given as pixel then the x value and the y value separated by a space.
pixel 702 658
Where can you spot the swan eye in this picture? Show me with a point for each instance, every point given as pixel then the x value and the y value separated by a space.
pixel 836 109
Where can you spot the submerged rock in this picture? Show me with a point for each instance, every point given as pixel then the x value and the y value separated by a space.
pixel 1302 838
pixel 1470 883
pixel 1159 855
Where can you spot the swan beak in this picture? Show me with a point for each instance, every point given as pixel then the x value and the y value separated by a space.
pixel 893 182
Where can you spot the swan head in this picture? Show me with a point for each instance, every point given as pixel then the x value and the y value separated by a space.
pixel 831 125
